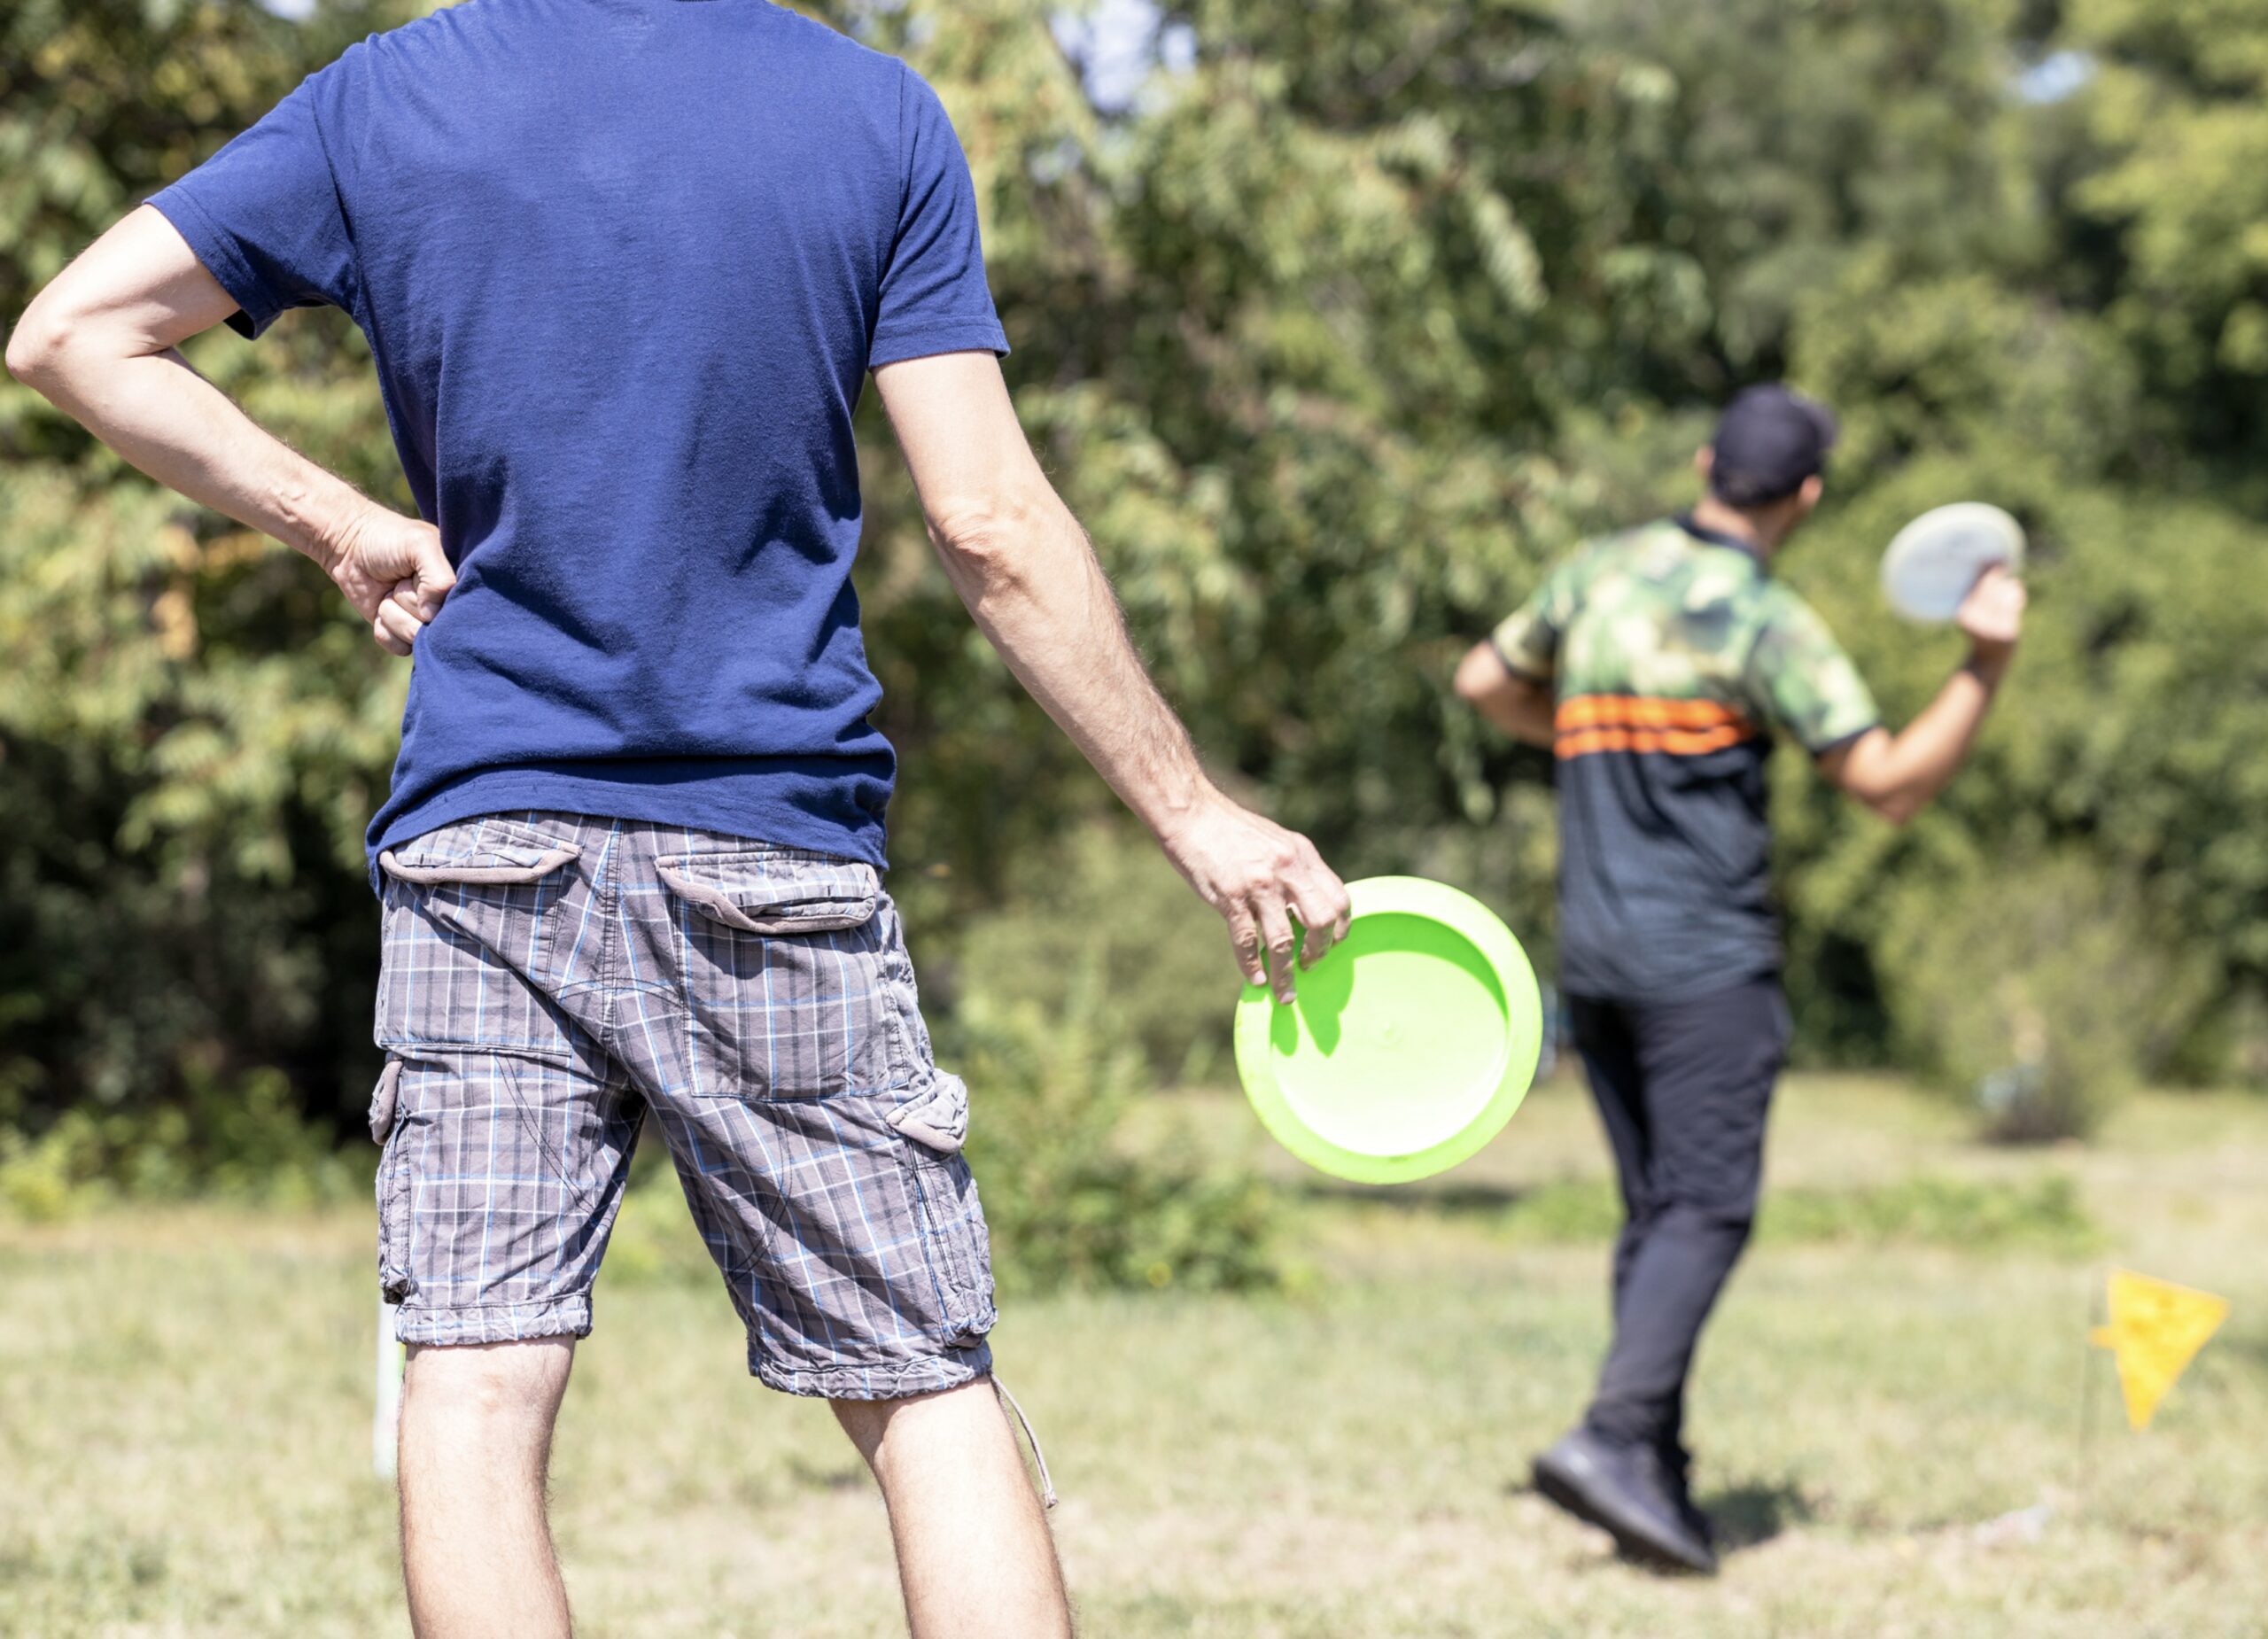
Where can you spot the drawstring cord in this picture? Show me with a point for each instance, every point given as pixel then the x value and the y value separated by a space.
pixel 1046 1486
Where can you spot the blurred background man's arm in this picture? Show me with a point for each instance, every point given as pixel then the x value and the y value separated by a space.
pixel 1508 676
pixel 1521 706
pixel 101 343
pixel 1898 775
pixel 1029 576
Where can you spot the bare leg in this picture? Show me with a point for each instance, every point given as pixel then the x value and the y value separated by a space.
pixel 475 1444
pixel 974 1553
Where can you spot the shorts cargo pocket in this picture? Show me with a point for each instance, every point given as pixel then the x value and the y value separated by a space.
pixel 793 969
pixel 387 1119
pixel 954 1237
pixel 469 931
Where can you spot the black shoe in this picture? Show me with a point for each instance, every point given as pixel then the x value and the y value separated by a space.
pixel 1622 1490
pixel 1677 1473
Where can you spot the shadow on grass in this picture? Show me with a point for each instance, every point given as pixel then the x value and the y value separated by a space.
pixel 2041 1214
pixel 1749 1515
pixel 1744 1517
pixel 1561 1211
pixel 1465 1201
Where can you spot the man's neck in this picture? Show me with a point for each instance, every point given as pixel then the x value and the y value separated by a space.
pixel 1715 516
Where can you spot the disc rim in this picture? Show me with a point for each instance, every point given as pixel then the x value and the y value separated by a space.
pixel 1908 541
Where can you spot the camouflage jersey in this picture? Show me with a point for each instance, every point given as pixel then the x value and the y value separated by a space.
pixel 1673 656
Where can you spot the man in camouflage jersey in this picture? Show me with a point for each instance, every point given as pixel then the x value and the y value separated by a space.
pixel 1657 664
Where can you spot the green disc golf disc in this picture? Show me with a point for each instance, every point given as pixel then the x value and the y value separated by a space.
pixel 1410 1045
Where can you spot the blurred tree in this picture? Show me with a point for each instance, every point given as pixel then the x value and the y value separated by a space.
pixel 191 736
pixel 1334 334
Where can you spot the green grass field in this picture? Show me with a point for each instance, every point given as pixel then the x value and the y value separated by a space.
pixel 1891 1418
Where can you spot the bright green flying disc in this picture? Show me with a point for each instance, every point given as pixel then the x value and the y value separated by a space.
pixel 1410 1045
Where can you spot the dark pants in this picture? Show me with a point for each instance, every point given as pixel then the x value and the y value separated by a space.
pixel 1682 1089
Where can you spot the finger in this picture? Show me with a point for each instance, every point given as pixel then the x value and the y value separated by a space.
pixel 1319 913
pixel 412 601
pixel 435 575
pixel 1342 905
pixel 1982 590
pixel 1244 933
pixel 1276 933
pixel 1324 911
pixel 386 640
pixel 398 624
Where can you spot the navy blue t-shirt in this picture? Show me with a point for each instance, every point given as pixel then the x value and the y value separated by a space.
pixel 623 266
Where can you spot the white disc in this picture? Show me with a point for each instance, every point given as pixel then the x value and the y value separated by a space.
pixel 1937 558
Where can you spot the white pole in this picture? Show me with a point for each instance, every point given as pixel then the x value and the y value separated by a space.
pixel 385 1424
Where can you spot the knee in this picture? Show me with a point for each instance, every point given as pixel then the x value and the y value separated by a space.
pixel 1730 1217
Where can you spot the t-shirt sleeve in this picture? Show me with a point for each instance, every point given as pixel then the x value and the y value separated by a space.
pixel 263 216
pixel 933 298
pixel 1527 640
pixel 1807 684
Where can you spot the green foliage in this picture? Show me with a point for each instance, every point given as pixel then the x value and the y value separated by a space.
pixel 2038 1215
pixel 1108 910
pixel 193 733
pixel 2041 1214
pixel 2043 993
pixel 240 1141
pixel 1072 1197
pixel 1334 339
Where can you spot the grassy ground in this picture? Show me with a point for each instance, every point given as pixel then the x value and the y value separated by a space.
pixel 1890 1419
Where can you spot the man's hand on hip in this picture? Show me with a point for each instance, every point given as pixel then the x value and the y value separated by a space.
pixel 100 342
pixel 394 572
pixel 1259 877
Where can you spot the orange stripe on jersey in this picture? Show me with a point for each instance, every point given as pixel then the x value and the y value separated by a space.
pixel 1675 741
pixel 1644 711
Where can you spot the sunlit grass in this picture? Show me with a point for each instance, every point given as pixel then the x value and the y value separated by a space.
pixel 184 1415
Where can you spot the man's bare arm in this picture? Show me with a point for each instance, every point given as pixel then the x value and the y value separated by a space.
pixel 1029 577
pixel 1522 707
pixel 1898 775
pixel 101 342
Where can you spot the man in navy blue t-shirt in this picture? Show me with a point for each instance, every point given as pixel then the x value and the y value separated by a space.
pixel 624 266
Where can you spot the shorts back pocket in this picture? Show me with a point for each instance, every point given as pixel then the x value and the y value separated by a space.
pixel 795 981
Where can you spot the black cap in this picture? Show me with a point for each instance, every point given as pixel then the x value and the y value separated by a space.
pixel 1768 441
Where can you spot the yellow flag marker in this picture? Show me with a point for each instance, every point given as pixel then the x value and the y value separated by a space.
pixel 2155 1330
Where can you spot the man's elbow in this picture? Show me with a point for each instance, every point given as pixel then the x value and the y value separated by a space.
pixel 52 343
pixel 991 539
pixel 1480 676
pixel 1900 808
pixel 37 347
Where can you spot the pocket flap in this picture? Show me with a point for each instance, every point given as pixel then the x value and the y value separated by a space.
pixel 940 1120
pixel 775 890
pixel 383 1098
pixel 486 852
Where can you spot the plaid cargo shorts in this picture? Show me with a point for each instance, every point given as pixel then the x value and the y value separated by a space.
pixel 550 978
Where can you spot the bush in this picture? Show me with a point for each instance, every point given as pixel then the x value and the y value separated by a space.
pixel 1111 905
pixel 1071 1200
pixel 2044 992
pixel 240 1139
